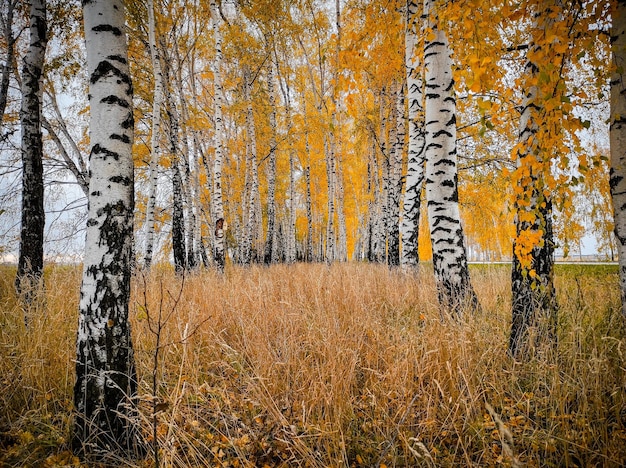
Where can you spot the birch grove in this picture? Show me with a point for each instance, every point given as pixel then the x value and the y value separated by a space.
pixel 298 131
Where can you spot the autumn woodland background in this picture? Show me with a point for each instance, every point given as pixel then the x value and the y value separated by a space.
pixel 289 83
pixel 317 344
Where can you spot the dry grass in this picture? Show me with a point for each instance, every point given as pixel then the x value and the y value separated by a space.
pixel 350 365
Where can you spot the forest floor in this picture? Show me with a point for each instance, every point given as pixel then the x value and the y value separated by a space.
pixel 348 365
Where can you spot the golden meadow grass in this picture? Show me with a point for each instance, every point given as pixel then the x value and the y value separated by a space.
pixel 348 365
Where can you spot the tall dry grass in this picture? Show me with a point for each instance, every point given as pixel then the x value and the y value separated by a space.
pixel 348 365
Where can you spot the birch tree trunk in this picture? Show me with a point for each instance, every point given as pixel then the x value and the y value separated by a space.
pixel 533 299
pixel 330 183
pixel 454 289
pixel 618 139
pixel 30 262
pixel 178 217
pixel 254 224
pixel 395 182
pixel 7 68
pixel 155 147
pixel 383 189
pixel 290 255
pixel 271 249
pixel 307 181
pixel 216 189
pixel 187 161
pixel 416 156
pixel 106 383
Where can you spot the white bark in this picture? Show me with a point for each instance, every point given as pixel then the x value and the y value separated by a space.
pixel 449 256
pixel 254 225
pixel 395 181
pixel 216 189
pixel 188 165
pixel 272 254
pixel 618 140
pixel 330 183
pixel 105 375
pixel 416 156
pixel 155 147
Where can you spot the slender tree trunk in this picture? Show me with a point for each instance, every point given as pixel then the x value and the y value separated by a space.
pixel 254 224
pixel 155 146
pixel 416 156
pixel 342 233
pixel 330 183
pixel 178 218
pixel 618 139
pixel 449 257
pixel 187 161
pixel 382 193
pixel 290 255
pixel 308 200
pixel 290 231
pixel 200 250
pixel 271 249
pixel 7 68
pixel 106 383
pixel 216 189
pixel 534 306
pixel 30 262
pixel 395 182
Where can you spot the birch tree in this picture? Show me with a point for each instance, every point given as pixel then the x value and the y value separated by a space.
pixel 449 257
pixel 253 226
pixel 30 262
pixel 618 138
pixel 106 383
pixel 178 216
pixel 155 147
pixel 394 189
pixel 271 249
pixel 216 189
pixel 534 304
pixel 415 166
pixel 6 22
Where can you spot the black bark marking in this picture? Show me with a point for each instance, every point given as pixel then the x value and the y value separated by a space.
pixel 442 132
pixel 129 122
pixel 127 181
pixel 112 99
pixel 122 138
pixel 97 149
pixel 105 68
pixel 107 28
pixel 117 58
pixel 614 180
